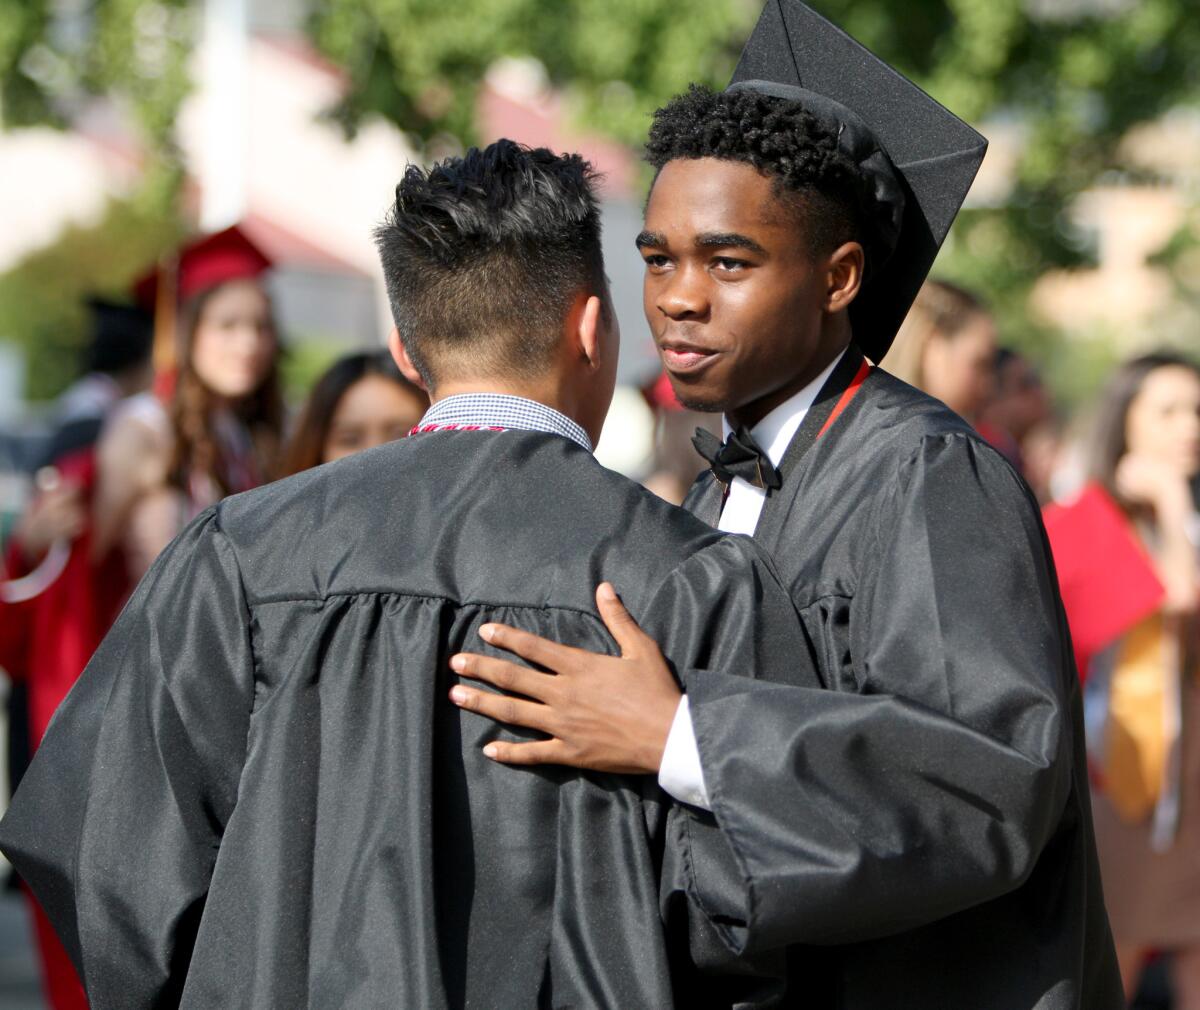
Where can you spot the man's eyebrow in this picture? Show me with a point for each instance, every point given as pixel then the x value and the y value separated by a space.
pixel 650 238
pixel 714 240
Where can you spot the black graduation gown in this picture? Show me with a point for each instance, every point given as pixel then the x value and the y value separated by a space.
pixel 259 795
pixel 914 824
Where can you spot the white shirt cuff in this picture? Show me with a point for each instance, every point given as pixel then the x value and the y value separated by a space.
pixel 680 773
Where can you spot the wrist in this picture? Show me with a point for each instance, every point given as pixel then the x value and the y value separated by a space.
pixel 1175 514
pixel 659 731
pixel 1173 502
pixel 681 774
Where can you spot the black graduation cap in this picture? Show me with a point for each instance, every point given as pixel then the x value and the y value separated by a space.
pixel 121 336
pixel 920 157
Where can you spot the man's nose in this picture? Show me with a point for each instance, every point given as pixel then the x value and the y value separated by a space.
pixel 684 296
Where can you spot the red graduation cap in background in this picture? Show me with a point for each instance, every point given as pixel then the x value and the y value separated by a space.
pixel 204 263
pixel 1108 582
pixel 200 265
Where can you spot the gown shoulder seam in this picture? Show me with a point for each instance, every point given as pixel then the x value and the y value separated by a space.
pixel 324 597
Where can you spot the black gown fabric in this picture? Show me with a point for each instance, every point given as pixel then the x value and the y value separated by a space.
pixel 259 796
pixel 910 822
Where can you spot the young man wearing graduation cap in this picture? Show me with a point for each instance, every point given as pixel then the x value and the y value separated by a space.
pixel 258 796
pixel 909 827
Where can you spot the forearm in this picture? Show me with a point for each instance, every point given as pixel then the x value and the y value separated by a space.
pixel 1176 557
pixel 154 520
pixel 131 463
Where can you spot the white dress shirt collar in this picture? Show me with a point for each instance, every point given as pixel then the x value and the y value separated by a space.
pixel 774 432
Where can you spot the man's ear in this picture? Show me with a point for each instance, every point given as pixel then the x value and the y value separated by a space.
pixel 585 324
pixel 400 355
pixel 845 275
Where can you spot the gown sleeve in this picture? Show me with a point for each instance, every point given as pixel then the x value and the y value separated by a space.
pixel 934 783
pixel 117 823
pixel 722 612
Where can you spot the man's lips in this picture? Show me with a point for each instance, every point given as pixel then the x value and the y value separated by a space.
pixel 683 359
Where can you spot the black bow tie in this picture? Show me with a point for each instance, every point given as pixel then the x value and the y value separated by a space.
pixel 740 456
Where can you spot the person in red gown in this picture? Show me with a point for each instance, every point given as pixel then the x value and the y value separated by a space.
pixel 58 599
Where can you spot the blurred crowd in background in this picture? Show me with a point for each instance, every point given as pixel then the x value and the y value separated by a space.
pixel 190 306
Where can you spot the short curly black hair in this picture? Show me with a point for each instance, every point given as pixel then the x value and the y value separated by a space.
pixel 779 138
pixel 483 254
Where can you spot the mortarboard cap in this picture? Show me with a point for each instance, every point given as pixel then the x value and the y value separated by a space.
pixel 920 158
pixel 121 336
pixel 198 266
pixel 204 263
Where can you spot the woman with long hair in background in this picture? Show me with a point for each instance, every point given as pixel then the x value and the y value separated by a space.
pixel 1132 608
pixel 163 461
pixel 360 402
pixel 947 348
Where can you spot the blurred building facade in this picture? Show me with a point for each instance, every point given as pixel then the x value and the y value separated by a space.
pixel 1131 297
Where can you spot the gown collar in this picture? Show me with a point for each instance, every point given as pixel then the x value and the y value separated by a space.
pixel 775 431
pixel 837 389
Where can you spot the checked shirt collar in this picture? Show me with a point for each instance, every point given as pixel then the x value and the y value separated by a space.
pixel 499 412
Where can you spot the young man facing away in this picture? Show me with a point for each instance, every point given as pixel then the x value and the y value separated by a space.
pixel 258 795
pixel 913 830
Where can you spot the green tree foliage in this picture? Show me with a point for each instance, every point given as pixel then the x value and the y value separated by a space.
pixel 41 299
pixel 23 99
pixel 54 55
pixel 421 62
pixel 134 52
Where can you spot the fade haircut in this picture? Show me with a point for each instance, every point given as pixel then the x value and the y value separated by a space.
pixel 484 255
pixel 784 142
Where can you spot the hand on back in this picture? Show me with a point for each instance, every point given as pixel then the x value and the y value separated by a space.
pixel 606 713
